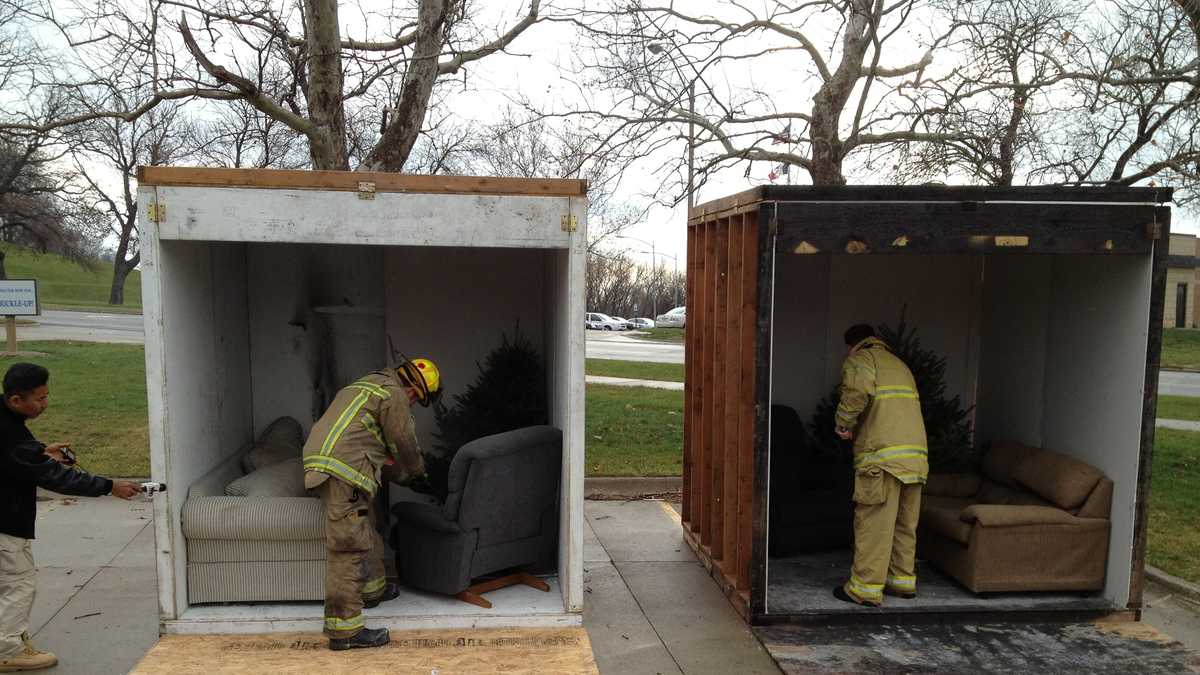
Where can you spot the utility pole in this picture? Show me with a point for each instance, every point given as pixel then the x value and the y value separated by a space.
pixel 691 147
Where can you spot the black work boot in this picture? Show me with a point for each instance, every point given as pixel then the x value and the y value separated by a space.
pixel 366 638
pixel 390 592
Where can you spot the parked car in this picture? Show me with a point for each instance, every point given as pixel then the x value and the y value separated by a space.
pixel 675 318
pixel 598 321
pixel 641 323
pixel 625 325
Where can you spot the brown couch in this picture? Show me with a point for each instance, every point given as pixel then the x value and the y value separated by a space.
pixel 1035 520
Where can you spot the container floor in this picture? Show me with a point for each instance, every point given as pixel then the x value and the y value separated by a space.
pixel 514 606
pixel 803 584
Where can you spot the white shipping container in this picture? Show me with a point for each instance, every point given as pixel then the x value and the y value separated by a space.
pixel 265 291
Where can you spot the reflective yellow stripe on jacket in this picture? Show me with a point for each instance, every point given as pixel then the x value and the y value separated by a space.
pixel 338 468
pixel 890 453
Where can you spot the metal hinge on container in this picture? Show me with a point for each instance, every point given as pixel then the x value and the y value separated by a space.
pixel 156 212
pixel 1154 230
pixel 366 190
pixel 570 223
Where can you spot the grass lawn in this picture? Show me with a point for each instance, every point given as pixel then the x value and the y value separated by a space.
pixel 1175 504
pixel 638 370
pixel 1181 348
pixel 97 403
pixel 66 284
pixel 659 334
pixel 1179 407
pixel 634 431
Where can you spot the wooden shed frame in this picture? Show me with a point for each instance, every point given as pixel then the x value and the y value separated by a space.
pixel 731 258
pixel 212 242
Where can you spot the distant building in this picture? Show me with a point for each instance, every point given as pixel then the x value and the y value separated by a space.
pixel 1183 273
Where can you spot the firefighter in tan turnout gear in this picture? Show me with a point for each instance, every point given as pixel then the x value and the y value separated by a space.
pixel 368 425
pixel 881 412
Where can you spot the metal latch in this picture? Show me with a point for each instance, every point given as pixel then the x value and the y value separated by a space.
pixel 156 212
pixel 366 189
pixel 570 223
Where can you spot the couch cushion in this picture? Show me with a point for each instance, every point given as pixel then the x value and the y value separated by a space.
pixel 282 439
pixel 1063 480
pixel 941 515
pixel 960 485
pixel 994 493
pixel 1001 461
pixel 281 479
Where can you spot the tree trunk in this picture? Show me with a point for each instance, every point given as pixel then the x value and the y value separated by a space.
pixel 824 132
pixel 404 126
pixel 122 267
pixel 3 272
pixel 325 106
pixel 1008 142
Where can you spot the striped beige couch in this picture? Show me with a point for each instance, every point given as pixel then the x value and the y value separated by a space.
pixel 251 549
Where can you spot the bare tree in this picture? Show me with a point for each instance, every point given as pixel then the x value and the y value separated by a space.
pixel 1056 93
pixel 236 135
pixel 292 62
pixel 783 83
pixel 532 146
pixel 161 136
pixel 618 286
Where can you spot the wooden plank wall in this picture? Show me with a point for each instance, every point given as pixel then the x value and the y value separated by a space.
pixel 719 398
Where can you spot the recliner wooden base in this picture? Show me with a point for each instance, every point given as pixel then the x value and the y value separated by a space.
pixel 474 593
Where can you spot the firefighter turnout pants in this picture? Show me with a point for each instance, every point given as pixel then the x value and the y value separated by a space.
pixel 354 570
pixel 18 583
pixel 885 535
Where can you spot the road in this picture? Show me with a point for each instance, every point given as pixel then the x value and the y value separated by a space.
pixel 86 326
pixel 610 345
pixel 127 328
pixel 1179 384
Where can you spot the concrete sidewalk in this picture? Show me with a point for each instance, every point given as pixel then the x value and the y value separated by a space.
pixel 97 601
pixel 630 382
pixel 649 605
pixel 1184 425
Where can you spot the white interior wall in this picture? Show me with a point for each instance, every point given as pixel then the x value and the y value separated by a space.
pixel 1017 298
pixel 291 343
pixel 204 374
pixel 1095 382
pixel 453 305
pixel 818 297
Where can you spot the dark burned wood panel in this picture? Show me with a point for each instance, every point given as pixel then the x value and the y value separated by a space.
pixel 963 228
pixel 764 287
pixel 967 193
pixel 931 193
pixel 1158 285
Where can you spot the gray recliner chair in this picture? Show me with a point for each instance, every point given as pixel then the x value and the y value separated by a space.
pixel 501 513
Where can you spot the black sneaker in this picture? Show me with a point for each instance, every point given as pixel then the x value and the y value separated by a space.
pixel 390 592
pixel 366 638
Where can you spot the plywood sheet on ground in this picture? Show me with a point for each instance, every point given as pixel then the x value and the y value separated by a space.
pixel 1094 648
pixel 442 651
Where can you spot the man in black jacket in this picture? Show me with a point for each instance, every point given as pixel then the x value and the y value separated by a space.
pixel 26 465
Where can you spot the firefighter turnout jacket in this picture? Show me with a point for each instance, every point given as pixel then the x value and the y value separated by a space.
pixel 368 425
pixel 879 403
